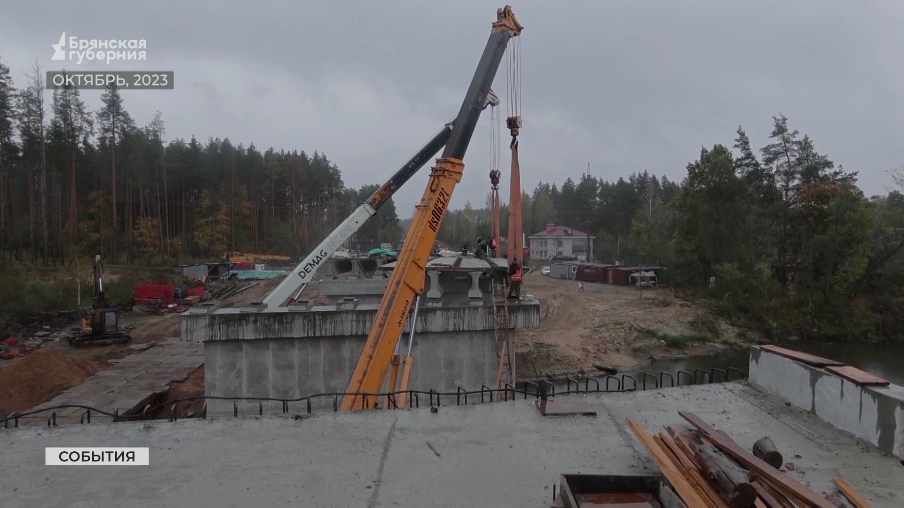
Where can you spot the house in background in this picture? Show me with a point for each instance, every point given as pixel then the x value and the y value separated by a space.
pixel 561 241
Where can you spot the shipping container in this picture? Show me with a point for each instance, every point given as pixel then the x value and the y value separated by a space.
pixel 592 272
pixel 154 293
pixel 563 270
pixel 621 275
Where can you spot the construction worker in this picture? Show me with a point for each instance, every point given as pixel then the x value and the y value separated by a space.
pixel 481 249
pixel 515 273
pixel 581 287
pixel 493 246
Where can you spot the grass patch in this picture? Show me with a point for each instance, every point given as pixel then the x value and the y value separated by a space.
pixel 28 292
pixel 681 341
pixel 863 318
pixel 662 301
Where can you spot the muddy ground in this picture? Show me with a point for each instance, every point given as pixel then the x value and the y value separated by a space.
pixel 28 381
pixel 615 326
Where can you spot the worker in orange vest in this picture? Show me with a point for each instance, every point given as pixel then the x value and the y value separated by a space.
pixel 515 274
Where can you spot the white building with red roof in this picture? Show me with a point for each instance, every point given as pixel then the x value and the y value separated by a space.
pixel 560 241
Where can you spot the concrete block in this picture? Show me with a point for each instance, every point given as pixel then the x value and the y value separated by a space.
pixel 283 375
pixel 347 303
pixel 257 360
pixel 474 292
pixel 353 288
pixel 202 308
pixel 875 414
pixel 254 307
pixel 435 290
pixel 299 306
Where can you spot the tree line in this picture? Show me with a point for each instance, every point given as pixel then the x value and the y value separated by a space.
pixel 78 182
pixel 784 224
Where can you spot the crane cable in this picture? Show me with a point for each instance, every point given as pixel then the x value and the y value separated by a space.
pixel 495 174
pixel 513 86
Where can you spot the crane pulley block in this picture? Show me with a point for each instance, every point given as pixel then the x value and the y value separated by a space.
pixel 495 176
pixel 514 124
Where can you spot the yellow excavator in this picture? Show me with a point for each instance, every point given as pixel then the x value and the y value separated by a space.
pixel 100 327
pixel 408 278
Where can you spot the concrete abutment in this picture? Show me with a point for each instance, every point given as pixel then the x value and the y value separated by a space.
pixel 304 350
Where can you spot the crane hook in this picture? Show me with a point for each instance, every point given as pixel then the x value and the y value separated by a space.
pixel 514 125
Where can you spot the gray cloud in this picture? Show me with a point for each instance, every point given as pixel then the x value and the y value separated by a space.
pixel 626 86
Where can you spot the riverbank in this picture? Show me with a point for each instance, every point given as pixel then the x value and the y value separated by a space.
pixel 619 327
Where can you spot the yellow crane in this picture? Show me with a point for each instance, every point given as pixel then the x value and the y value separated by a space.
pixel 407 279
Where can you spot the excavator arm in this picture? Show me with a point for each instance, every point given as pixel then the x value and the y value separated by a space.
pixel 407 279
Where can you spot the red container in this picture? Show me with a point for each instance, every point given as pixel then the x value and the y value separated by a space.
pixel 154 293
pixel 243 266
pixel 195 291
pixel 12 341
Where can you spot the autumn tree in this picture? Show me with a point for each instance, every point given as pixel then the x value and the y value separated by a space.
pixel 212 230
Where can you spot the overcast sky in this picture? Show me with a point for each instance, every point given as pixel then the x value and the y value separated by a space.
pixel 624 85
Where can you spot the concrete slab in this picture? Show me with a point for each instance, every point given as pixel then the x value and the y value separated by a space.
pixel 502 454
pixel 126 383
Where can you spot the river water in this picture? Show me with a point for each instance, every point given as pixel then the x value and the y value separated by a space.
pixel 885 360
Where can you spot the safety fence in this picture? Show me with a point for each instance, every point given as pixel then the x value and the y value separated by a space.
pixel 432 398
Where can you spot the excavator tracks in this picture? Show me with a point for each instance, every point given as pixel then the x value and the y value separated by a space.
pixel 82 340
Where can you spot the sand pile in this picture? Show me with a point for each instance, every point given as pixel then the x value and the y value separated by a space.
pixel 41 376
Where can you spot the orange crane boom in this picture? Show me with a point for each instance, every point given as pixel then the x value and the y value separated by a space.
pixel 407 279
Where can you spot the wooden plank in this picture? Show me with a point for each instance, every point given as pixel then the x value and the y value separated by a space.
pixel 679 466
pixel 806 358
pixel 849 492
pixel 678 481
pixel 780 490
pixel 857 376
pixel 694 471
pixel 839 500
pixel 755 464
pixel 766 498
pixel 783 497
pixel 783 501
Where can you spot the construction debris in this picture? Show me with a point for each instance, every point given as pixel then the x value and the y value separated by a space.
pixel 764 449
pixel 228 290
pixel 709 469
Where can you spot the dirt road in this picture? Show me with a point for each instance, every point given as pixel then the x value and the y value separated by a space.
pixel 617 326
pixel 36 378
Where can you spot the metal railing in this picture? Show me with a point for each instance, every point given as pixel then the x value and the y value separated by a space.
pixel 532 389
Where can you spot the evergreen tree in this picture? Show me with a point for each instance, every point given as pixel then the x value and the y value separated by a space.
pixel 114 122
pixel 71 123
pixel 8 149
